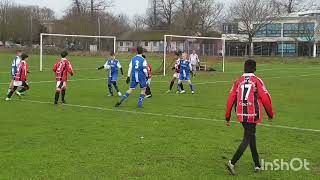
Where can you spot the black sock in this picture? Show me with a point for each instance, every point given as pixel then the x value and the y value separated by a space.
pixel 148 90
pixel 171 85
pixel 63 93
pixel 23 90
pixel 181 86
pixel 56 97
pixel 12 91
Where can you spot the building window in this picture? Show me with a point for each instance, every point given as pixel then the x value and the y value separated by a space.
pixel 121 43
pixel 128 44
pixel 270 30
pixel 146 43
pixel 288 48
pixel 262 32
pixel 273 30
pixel 298 29
pixel 230 28
pixel 155 43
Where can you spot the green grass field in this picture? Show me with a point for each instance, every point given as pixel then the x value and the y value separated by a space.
pixel 172 137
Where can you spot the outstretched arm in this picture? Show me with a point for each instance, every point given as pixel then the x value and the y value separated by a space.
pixel 101 67
pixel 105 66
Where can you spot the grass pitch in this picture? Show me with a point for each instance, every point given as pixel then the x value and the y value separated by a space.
pixel 172 137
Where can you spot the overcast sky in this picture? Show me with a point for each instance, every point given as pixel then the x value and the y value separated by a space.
pixel 129 7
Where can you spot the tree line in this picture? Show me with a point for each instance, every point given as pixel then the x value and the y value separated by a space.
pixel 23 24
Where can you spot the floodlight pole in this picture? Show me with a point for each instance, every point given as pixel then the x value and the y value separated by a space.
pixel 41 50
pixel 164 54
pixel 114 46
pixel 223 53
pixel 99 32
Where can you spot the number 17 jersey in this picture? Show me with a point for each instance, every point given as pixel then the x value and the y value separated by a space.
pixel 249 95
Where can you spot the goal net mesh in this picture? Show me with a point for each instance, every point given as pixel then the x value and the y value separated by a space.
pixel 82 47
pixel 209 51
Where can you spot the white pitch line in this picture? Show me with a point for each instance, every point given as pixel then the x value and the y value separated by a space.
pixel 260 70
pixel 169 115
pixel 71 80
pixel 203 83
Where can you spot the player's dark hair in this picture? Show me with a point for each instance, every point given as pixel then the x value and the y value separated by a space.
pixel 64 54
pixel 250 66
pixel 19 51
pixel 144 56
pixel 112 54
pixel 24 56
pixel 139 50
pixel 178 53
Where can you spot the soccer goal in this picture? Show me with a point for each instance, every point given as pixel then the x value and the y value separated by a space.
pixel 210 51
pixel 51 45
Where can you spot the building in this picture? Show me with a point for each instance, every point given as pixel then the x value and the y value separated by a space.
pixel 297 34
pixel 151 41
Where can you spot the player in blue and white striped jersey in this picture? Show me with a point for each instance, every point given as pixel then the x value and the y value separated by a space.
pixel 185 73
pixel 138 73
pixel 14 67
pixel 113 66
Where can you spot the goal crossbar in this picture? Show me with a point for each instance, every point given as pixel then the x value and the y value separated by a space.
pixel 190 37
pixel 71 35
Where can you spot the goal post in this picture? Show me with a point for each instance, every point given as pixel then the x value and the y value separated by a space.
pixel 205 46
pixel 98 41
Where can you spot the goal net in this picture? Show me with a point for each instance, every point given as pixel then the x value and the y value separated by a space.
pixel 210 51
pixel 51 45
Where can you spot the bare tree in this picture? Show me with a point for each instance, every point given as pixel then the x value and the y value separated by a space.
pixel 152 14
pixel 210 13
pixel 290 6
pixel 167 11
pixel 90 6
pixel 309 34
pixel 99 6
pixel 138 22
pixel 4 8
pixel 22 24
pixel 252 15
pixel 78 6
pixel 197 16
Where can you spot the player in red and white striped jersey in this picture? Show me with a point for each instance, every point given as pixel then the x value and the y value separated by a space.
pixel 61 69
pixel 249 95
pixel 20 78
pixel 176 69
